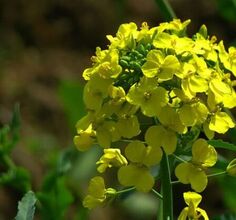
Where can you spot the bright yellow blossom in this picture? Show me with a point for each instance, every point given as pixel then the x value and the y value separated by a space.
pixel 124 36
pixel 193 172
pixel 97 193
pixel 221 122
pixel 161 66
pixel 85 139
pixel 95 91
pixel 148 96
pixel 192 212
pixel 111 157
pixel 158 136
pixel 137 173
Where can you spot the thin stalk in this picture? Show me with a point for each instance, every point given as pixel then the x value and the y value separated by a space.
pixel 125 190
pixel 166 189
pixel 157 194
pixel 210 175
pixel 179 158
pixel 166 9
pixel 217 174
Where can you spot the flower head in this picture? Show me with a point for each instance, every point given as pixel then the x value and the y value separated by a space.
pixel 193 172
pixel 97 193
pixel 192 212
pixel 137 172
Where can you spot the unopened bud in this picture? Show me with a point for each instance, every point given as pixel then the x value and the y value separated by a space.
pixel 231 168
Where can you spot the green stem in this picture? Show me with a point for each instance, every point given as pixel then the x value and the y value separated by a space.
pixel 125 190
pixel 217 174
pixel 179 158
pixel 166 189
pixel 166 9
pixel 210 175
pixel 157 194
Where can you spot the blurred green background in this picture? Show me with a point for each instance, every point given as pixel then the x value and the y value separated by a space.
pixel 44 47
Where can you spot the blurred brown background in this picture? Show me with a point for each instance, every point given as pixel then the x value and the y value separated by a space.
pixel 44 47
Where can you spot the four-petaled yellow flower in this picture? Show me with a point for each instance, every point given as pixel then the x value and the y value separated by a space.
pixel 193 172
pixel 137 173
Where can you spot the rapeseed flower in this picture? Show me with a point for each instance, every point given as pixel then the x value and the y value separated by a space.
pixel 192 212
pixel 137 172
pixel 97 193
pixel 152 87
pixel 193 172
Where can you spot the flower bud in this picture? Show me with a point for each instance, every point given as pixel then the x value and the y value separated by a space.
pixel 231 168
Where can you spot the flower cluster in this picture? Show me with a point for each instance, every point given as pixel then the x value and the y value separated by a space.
pixel 145 93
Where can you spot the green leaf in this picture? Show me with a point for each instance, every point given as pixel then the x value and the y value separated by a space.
pixel 222 144
pixel 227 185
pixel 26 207
pixel 225 217
pixel 54 197
pixel 17 178
pixel 227 9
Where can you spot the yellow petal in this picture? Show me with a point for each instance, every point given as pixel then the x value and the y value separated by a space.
pixel 135 151
pixel 221 122
pixel 203 213
pixel 182 172
pixel 169 141
pixel 145 181
pixel 153 156
pixel 154 134
pixel 139 177
pixel 203 154
pixel 198 179
pixel 184 214
pixel 187 116
pixel 96 187
pixel 193 197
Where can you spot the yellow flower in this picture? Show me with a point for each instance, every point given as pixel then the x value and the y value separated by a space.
pixel 106 132
pixel 85 139
pixel 193 172
pixel 221 92
pixel 176 26
pixel 106 65
pixel 97 193
pixel 148 96
pixel 177 44
pixel 111 157
pixel 124 37
pixel 193 113
pixel 137 173
pixel 194 76
pixel 128 126
pixel 169 118
pixel 158 136
pixel 221 122
pixel 95 91
pixel 164 67
pixel 117 95
pixel 228 59
pixel 192 212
